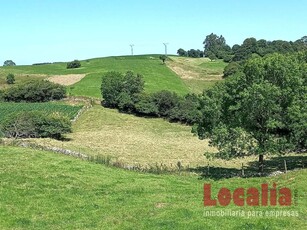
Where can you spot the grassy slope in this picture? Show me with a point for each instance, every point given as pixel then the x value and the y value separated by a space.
pixel 41 190
pixel 197 73
pixel 133 140
pixel 156 75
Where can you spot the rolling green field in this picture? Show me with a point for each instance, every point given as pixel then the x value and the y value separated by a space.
pixel 42 190
pixel 6 108
pixel 157 76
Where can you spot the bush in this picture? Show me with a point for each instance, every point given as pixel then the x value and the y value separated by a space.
pixel 35 124
pixel 10 78
pixel 186 110
pixel 9 63
pixel 35 91
pixel 120 91
pixel 231 69
pixel 146 105
pixel 165 102
pixel 74 64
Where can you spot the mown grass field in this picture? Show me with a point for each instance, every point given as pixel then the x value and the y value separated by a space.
pixel 42 190
pixel 7 108
pixel 197 73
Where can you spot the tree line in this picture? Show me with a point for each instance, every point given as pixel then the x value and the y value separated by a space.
pixel 215 47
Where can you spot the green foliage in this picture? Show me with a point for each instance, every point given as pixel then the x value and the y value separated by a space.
pixel 146 105
pixel 163 58
pixel 35 91
pixel 74 64
pixel 216 47
pixel 33 124
pixel 263 104
pixel 118 90
pixel 186 110
pixel 165 102
pixel 182 53
pixel 9 63
pixel 10 79
pixel 231 69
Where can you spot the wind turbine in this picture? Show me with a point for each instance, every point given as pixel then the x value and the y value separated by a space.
pixel 165 46
pixel 132 49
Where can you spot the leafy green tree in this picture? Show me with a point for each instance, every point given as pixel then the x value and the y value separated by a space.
pixel 231 69
pixel 9 63
pixel 216 45
pixel 181 52
pixel 120 91
pixel 10 79
pixel 260 111
pixel 74 64
pixel 165 102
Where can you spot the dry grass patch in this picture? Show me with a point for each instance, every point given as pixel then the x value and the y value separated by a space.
pixel 133 140
pixel 66 80
pixel 197 73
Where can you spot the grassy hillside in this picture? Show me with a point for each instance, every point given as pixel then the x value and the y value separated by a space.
pixel 133 140
pixel 41 190
pixel 181 75
pixel 197 73
pixel 157 76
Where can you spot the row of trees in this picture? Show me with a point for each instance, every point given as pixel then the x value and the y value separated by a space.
pixel 126 93
pixel 260 111
pixel 27 124
pixel 34 91
pixel 34 124
pixel 215 47
pixel 190 53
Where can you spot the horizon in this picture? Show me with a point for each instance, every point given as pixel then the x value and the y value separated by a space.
pixel 59 31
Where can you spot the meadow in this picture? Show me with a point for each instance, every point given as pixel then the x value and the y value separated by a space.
pixel 47 190
pixel 43 190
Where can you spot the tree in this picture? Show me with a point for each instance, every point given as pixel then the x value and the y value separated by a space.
pixel 163 58
pixel 182 53
pixel 231 69
pixel 259 111
pixel 10 79
pixel 73 64
pixel 9 63
pixel 120 91
pixel 216 45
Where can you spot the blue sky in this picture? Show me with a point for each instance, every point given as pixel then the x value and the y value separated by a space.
pixel 62 30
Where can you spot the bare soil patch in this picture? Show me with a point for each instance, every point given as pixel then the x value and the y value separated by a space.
pixel 66 80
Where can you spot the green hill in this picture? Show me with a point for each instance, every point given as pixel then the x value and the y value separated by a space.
pixel 42 190
pixel 157 76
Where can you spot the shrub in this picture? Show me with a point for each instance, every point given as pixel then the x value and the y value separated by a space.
pixel 10 78
pixel 74 64
pixel 35 91
pixel 186 110
pixel 119 91
pixel 146 105
pixel 165 102
pixel 35 124
pixel 231 69
pixel 9 63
